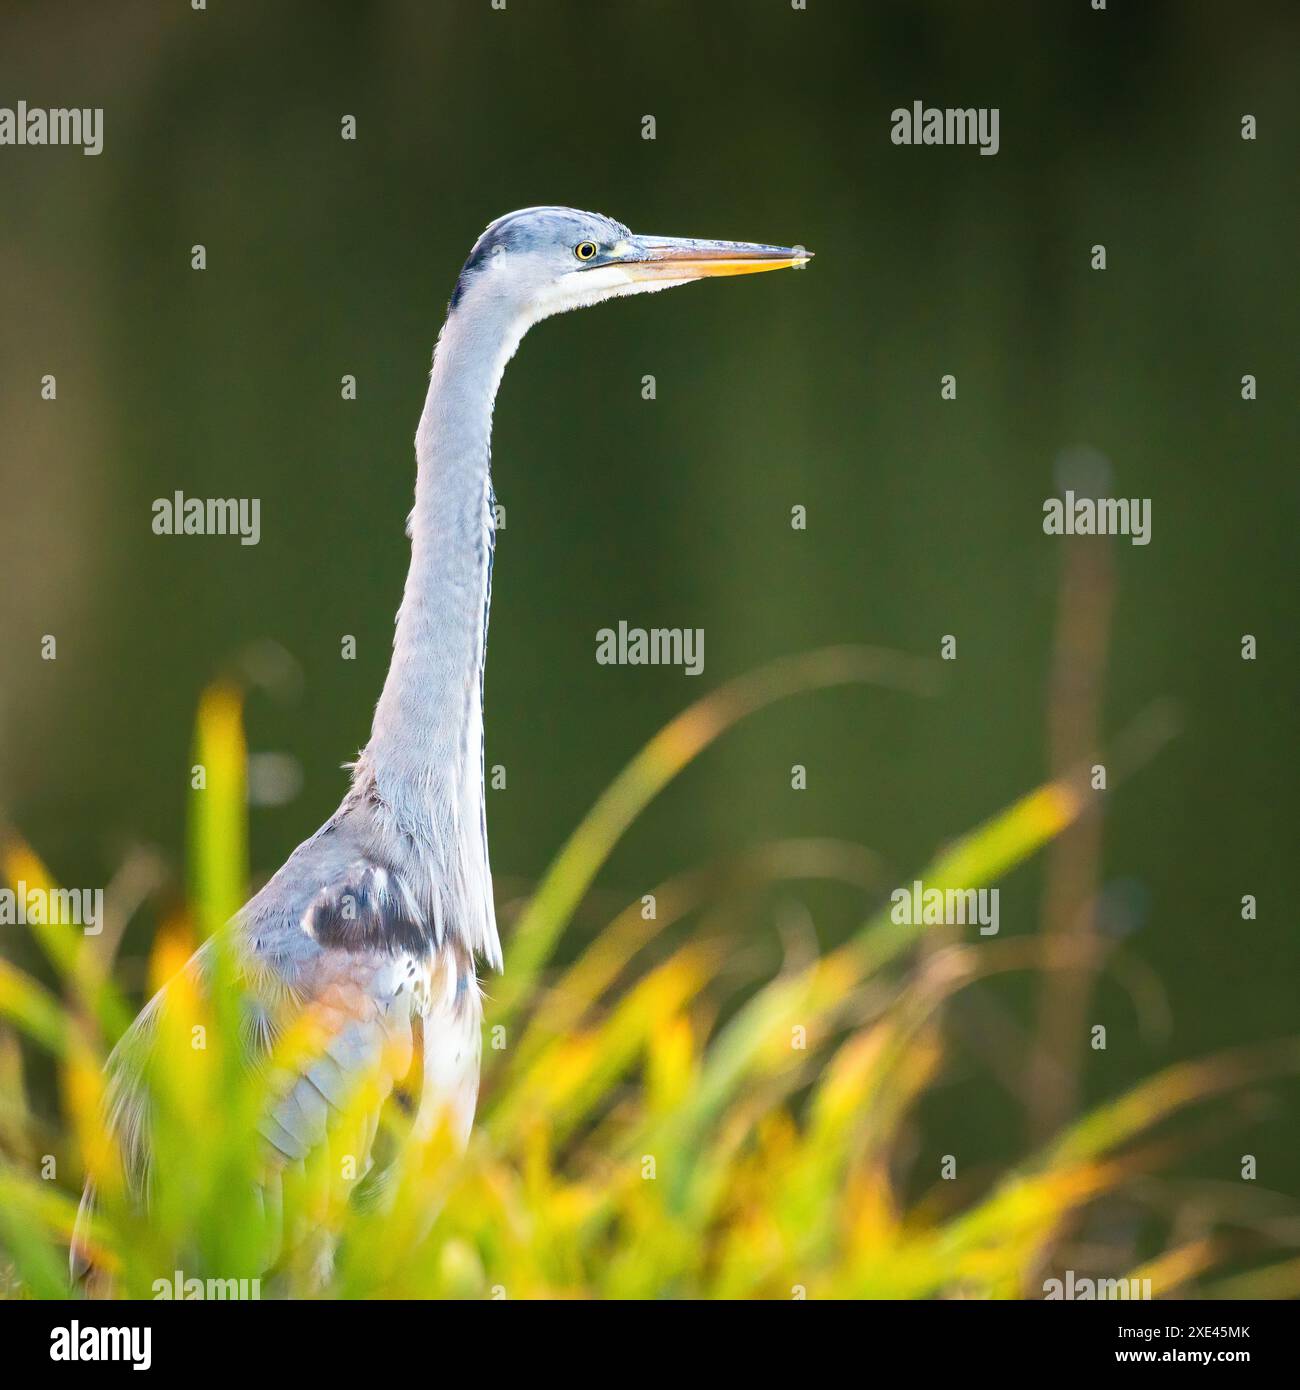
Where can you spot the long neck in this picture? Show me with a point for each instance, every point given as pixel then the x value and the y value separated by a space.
pixel 426 746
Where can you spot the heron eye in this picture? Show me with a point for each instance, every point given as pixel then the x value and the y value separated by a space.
pixel 585 250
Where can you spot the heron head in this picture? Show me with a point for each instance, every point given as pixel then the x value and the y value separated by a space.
pixel 542 261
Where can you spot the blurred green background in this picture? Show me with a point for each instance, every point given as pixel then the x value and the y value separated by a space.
pixel 924 517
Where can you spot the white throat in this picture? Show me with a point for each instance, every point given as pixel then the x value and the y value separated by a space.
pixel 424 759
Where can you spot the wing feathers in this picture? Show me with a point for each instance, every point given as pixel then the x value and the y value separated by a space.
pixel 377 976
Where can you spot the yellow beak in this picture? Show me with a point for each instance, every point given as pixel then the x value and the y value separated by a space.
pixel 674 258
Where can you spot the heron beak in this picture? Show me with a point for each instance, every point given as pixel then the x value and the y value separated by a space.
pixel 676 258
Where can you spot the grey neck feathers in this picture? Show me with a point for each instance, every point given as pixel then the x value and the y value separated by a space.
pixel 424 760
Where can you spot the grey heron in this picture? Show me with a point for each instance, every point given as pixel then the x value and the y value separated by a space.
pixel 377 921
